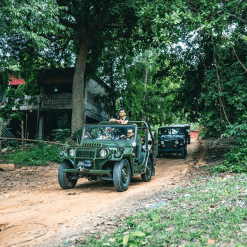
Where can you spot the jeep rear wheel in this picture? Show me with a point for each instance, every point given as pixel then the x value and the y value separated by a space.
pixel 146 177
pixel 121 175
pixel 64 178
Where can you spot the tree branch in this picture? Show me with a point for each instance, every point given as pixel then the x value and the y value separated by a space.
pixel 239 3
pixel 218 79
pixel 57 37
pixel 67 23
pixel 237 55
pixel 238 18
pixel 121 36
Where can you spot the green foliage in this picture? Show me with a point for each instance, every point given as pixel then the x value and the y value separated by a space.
pixel 63 132
pixel 236 159
pixel 195 69
pixel 239 131
pixel 77 135
pixel 36 155
pixel 63 122
pixel 137 239
pixel 16 97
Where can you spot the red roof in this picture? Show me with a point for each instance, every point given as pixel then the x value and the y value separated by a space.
pixel 15 81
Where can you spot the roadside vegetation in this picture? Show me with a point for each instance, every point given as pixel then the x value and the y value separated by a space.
pixel 236 159
pixel 211 211
pixel 34 155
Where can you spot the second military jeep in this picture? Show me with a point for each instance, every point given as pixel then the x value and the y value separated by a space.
pixel 172 139
pixel 108 151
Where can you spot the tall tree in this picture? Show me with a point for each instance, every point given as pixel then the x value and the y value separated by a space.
pixel 56 25
pixel 206 29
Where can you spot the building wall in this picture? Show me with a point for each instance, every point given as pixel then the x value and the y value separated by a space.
pixel 41 118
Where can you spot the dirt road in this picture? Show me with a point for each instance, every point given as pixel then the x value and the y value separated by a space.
pixel 35 211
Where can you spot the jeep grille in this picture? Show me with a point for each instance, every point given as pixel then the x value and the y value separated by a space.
pixel 85 153
pixel 91 144
pixel 169 144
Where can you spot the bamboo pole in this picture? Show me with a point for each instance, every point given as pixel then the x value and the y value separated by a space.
pixel 1 130
pixel 30 140
pixel 22 135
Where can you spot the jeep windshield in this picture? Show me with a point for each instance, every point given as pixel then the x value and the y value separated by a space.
pixel 172 131
pixel 103 132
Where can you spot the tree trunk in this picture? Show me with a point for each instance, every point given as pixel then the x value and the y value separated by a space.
pixel 112 94
pixel 78 102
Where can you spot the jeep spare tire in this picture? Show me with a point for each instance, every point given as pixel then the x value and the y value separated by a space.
pixel 121 175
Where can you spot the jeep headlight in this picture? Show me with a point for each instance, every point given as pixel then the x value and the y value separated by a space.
pixel 72 152
pixel 133 144
pixel 162 142
pixel 176 142
pixel 61 153
pixel 103 153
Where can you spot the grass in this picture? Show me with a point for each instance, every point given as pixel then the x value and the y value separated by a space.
pixel 206 213
pixel 37 155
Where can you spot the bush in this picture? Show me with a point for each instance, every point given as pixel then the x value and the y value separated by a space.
pixel 61 134
pixel 36 155
pixel 236 161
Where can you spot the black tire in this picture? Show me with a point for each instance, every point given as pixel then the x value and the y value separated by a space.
pixel 189 140
pixel 183 153
pixel 146 177
pixel 64 178
pixel 121 175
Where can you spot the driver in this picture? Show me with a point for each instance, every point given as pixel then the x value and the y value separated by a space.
pixel 130 134
pixel 108 133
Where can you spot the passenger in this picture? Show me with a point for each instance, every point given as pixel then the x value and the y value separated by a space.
pixel 149 141
pixel 130 134
pixel 122 119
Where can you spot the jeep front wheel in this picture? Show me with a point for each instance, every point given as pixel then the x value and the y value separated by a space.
pixel 64 178
pixel 121 175
pixel 183 153
pixel 146 177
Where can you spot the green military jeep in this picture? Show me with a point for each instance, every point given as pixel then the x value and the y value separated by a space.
pixel 172 139
pixel 108 151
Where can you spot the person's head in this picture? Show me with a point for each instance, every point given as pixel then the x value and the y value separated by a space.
pixel 107 129
pixel 130 133
pixel 145 129
pixel 121 112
